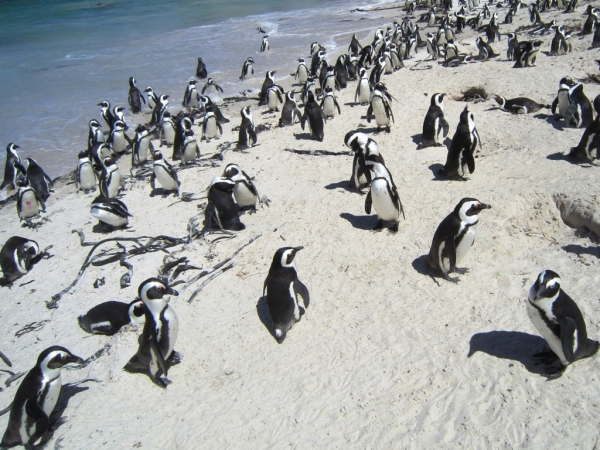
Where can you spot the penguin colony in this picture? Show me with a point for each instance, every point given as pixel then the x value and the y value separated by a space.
pixel 553 313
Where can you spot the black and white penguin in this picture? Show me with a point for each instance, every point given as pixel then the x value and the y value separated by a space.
pixel 432 47
pixel 222 211
pixel 100 151
pixel 156 352
pixel 274 97
pixel 313 114
pixel 341 72
pixel 434 123
pixel 247 68
pixel 167 130
pixel 141 146
pixel 363 88
pixel 189 150
pixel 17 257
pixel 211 128
pixel 309 86
pixel 354 46
pixel 454 236
pixel 269 81
pixel 362 146
pixel 110 179
pixel 579 114
pixel 106 113
pixel 159 110
pixel 558 319
pixel 329 103
pixel 111 212
pixel 12 157
pixel 519 105
pixel 290 113
pixel 383 195
pixel 561 102
pixel 206 101
pixel 287 297
pixel 380 106
pixel 302 73
pixel 315 47
pixel 589 144
pixel 38 179
pixel 152 97
pixel 29 204
pixel 589 27
pixel 86 175
pixel 513 43
pixel 245 192
pixel 118 140
pixel 264 46
pixel 351 61
pixel 165 174
pixel 95 135
pixel 247 135
pixel 135 98
pixel 118 114
pixel 201 69
pixel 560 42
pixel 317 60
pixel 377 71
pixel 485 50
pixel 461 155
pixel 526 53
pixel 109 317
pixel 191 97
pixel 36 398
pixel 211 87
pixel 182 124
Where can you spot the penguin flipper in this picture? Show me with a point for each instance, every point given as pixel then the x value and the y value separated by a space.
pixel 554 105
pixel 368 203
pixel 369 113
pixel 445 126
pixel 338 106
pixel 568 329
pixel 569 114
pixel 470 161
pixel 40 418
pixel 301 289
pixel 303 120
pixel 450 250
pixel 160 358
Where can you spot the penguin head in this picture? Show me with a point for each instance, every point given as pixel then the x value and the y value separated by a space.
pixel 108 161
pixel 32 248
pixel 137 312
pixel 222 184
pixel 12 148
pixel 104 104
pixel 362 71
pixel 566 82
pixel 56 357
pixel 284 257
pixel 301 60
pixel 547 285
pixel 157 156
pixel 95 124
pixel 31 162
pixel 119 125
pixel 500 100
pixel 131 81
pixel 199 60
pixel 83 156
pixel 437 100
pixel 290 96
pixel 468 209
pixel 149 90
pixel 118 110
pixel 163 99
pixel 232 171
pixel 271 75
pixel 154 289
pixel 193 82
pixel 355 140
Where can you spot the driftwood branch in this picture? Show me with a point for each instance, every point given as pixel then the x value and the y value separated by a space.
pixel 316 152
pixel 214 275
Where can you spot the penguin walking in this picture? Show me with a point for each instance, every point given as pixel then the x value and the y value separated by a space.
pixel 383 195
pixel 152 97
pixel 156 351
pixel 363 88
pixel 329 103
pixel 434 123
pixel 519 105
pixel 287 297
pixel 264 46
pixel 29 203
pixel 109 317
pixel 354 46
pixel 274 97
pixel 579 114
pixel 290 113
pixel 222 211
pixel 118 140
pixel 190 150
pixel 363 147
pixel 247 68
pixel 561 103
pixel 201 71
pixel 165 174
pixel 211 87
pixel 314 116
pixel 269 81
pixel 454 236
pixel 247 135
pixel 38 179
pixel 558 319
pixel 379 106
pixel 141 145
pixel 461 155
pixel 302 73
pixel 211 128
pixel 111 212
pixel 245 192
pixel 86 175
pixel 110 180
pixel 17 256
pixel 12 157
pixel 135 97
pixel 191 97
pixel 36 398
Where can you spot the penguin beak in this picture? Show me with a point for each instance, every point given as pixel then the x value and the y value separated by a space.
pixel 74 359
pixel 171 291
pixel 484 206
pixel 297 249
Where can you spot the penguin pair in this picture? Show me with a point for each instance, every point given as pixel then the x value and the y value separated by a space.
pixel 17 257
pixel 109 317
pixel 461 155
pixel 590 140
pixel 222 211
pixel 383 195
pixel 434 123
pixel 245 192
pixel 165 174
pixel 363 147
pixel 525 53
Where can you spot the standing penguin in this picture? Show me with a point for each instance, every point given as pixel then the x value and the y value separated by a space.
pixel 135 98
pixel 363 147
pixel 589 144
pixel 313 114
pixel 141 146
pixel 86 175
pixel 167 130
pixel 269 81
pixel 329 103
pixel 244 192
pixel 110 180
pixel 558 319
pixel 156 350
pixel 211 87
pixel 12 157
pixel 29 204
pixel 247 68
pixel 283 289
pixel 379 105
pixel 118 140
pixel 191 97
pixel 454 236
pixel 274 97
pixel 561 102
pixel 247 135
pixel 165 174
pixel 38 179
pixel 106 113
pixel 221 211
pixel 579 114
pixel 211 128
pixel 109 317
pixel 354 46
pixel 301 74
pixel 36 398
pixel 341 72
pixel 201 69
pixel 95 135
pixel 383 195
pixel 159 110
pixel 264 46
pixel 461 154
pixel 152 97
pixel 182 124
pixel 190 150
pixel 363 88
pixel 17 257
pixel 290 112
pixel 111 212
pixel 434 123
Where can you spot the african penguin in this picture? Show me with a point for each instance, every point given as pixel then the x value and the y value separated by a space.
pixel 95 134
pixel 29 204
pixel 167 130
pixel 135 98
pixel 247 135
pixel 379 106
pixel 211 128
pixel 383 195
pixel 211 87
pixel 301 74
pixel 269 81
pixel 12 157
pixel 244 192
pixel 17 257
pixel 329 103
pixel 247 68
pixel 190 150
pixel 201 69
pixel 159 110
pixel 85 179
pixel 264 46
pixel 461 155
pixel 111 212
pixel 191 97
pixel 519 105
pixel 110 179
pixel 141 146
pixel 222 211
pixel 274 97
pixel 579 113
pixel 165 174
pixel 109 317
pixel 152 97
pixel 38 179
pixel 313 114
pixel 434 123
pixel 590 140
pixel 561 102
pixel 290 113
pixel 118 140
pixel 362 146
pixel 107 114
pixel 363 88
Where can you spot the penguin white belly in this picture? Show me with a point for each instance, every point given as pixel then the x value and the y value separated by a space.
pixel 384 206
pixel 553 341
pixel 119 143
pixel 173 320
pixel 54 387
pixel 29 205
pixel 114 184
pixel 389 68
pixel 381 117
pixel 465 244
pixel 362 179
pixel 243 196
pixel 211 129
pixel 87 177
pixel 563 103
pixel 329 83
pixel 108 217
pixel 168 133
pixel 167 182
pixel 293 298
pixel 302 74
pixel 190 150
pixel 364 92
pixel 273 101
pixel 329 107
pixel 143 149
pixel 99 136
pixel 443 261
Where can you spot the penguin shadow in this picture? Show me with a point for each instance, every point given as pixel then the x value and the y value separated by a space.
pixel 514 345
pixel 559 156
pixel 351 104
pixel 421 266
pixel 302 136
pixel 341 184
pixel 373 130
pixel 262 310
pixel 580 250
pixel 360 222
pixel 417 138
pixel 434 170
pixel 160 191
pixel 553 120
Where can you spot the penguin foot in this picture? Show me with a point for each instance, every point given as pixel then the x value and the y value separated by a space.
pixel 394 228
pixel 265 200
pixel 379 225
pixel 461 270
pixel 449 278
pixel 175 358
pixel 162 382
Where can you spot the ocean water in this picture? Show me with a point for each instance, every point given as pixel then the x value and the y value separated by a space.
pixel 59 58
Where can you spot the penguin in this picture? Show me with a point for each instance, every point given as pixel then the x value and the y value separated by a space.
pixel 454 236
pixel 379 105
pixel 247 135
pixel 110 180
pixel 135 98
pixel 247 68
pixel 36 398
pixel 351 61
pixel 118 114
pixel 363 88
pixel 12 157
pixel 301 74
pixel 159 110
pixel 191 97
pixel 313 114
pixel 29 204
pixel 461 154
pixel 86 175
pixel 314 48
pixel 221 211
pixel 287 297
pixel 309 86
pixel 485 50
pixel 590 140
pixel 434 123
pixel 363 147
pixel 17 256
pixel 290 112
pixel 165 174
pixel 269 81
pixel 109 317
pixel 211 128
pixel 396 60
pixel 561 102
pixel 526 53
pixel 317 60
pixel 244 192
pixel 377 71
pixel 264 46
pixel 556 316
pixel 211 87
pixel 354 46
pixel 107 114
pixel 206 101
pixel 152 97
pixel 118 140
pixel 513 43
pixel 38 179
pixel 383 195
pixel 201 69
pixel 111 212
pixel 329 103
pixel 95 135
pixel 589 27
pixel 560 42
pixel 182 124
pixel 341 72
pixel 274 97
pixel 167 130
pixel 190 150
pixel 156 351
pixel 519 105
pixel 141 146
pixel 432 47
pixel 100 151
pixel 579 113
